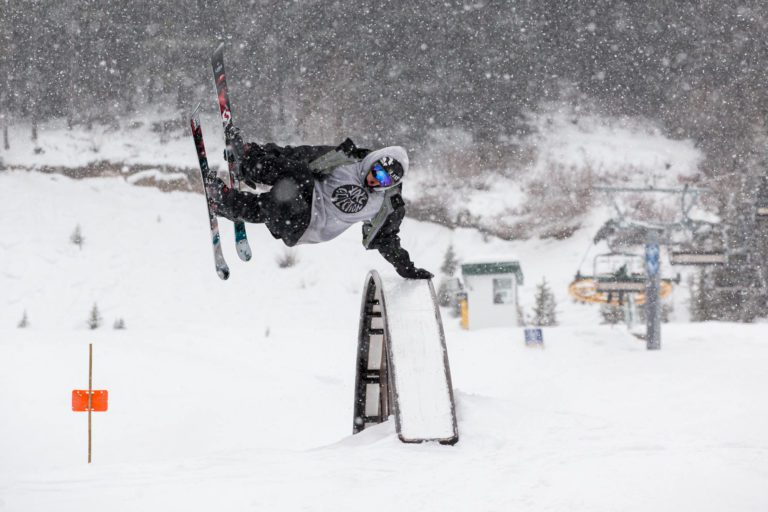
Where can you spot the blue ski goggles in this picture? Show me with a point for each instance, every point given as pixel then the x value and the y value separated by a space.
pixel 381 175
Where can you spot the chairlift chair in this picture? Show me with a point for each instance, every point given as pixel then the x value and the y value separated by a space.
pixel 705 245
pixel 619 272
pixel 616 276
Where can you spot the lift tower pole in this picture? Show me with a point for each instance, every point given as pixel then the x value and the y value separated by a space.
pixel 653 284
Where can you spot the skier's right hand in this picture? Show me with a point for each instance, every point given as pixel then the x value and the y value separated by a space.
pixel 414 273
pixel 234 134
pixel 236 144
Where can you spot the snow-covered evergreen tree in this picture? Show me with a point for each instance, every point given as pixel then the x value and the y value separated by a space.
pixel 24 322
pixel 703 301
pixel 446 290
pixel 77 237
pixel 94 319
pixel 544 310
pixel 450 263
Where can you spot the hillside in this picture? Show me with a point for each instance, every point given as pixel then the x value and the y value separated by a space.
pixel 547 190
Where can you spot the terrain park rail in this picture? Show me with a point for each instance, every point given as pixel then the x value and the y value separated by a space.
pixel 402 362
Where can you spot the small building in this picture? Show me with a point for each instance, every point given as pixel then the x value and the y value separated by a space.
pixel 491 293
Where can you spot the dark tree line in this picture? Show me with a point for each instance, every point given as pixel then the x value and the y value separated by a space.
pixel 388 69
pixel 392 68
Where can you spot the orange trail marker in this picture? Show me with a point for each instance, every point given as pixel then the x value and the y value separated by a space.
pixel 99 400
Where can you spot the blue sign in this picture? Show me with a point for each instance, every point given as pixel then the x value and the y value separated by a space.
pixel 652 259
pixel 534 336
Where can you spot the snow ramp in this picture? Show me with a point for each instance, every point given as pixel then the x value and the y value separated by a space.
pixel 402 362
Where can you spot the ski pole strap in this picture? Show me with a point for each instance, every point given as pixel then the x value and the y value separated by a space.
pixel 345 153
pixel 325 164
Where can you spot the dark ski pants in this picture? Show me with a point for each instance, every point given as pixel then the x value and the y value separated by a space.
pixel 286 209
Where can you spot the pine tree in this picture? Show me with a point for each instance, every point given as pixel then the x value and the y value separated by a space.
pixel 544 313
pixel 77 237
pixel 119 324
pixel 24 322
pixel 94 319
pixel 703 305
pixel 450 263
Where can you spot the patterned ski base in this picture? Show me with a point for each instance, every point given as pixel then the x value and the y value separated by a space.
pixel 222 94
pixel 222 269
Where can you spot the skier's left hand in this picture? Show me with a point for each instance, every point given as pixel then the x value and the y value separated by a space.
pixel 216 192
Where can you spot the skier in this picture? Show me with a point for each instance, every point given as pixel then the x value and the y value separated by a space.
pixel 320 191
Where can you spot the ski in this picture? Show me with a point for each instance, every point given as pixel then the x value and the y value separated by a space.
pixel 209 178
pixel 234 144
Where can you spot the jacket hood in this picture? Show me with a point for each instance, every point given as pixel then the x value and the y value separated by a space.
pixel 396 152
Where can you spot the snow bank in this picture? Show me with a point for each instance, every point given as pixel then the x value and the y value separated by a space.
pixel 237 395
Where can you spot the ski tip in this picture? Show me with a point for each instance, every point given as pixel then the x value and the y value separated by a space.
pixel 243 249
pixel 196 112
pixel 219 49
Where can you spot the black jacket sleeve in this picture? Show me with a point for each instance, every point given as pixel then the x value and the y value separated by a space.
pixel 387 242
pixel 303 154
pixel 266 164
pixel 306 154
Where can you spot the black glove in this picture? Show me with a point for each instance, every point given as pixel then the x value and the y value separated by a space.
pixel 350 149
pixel 216 191
pixel 235 135
pixel 221 198
pixel 347 147
pixel 414 273
pixel 235 143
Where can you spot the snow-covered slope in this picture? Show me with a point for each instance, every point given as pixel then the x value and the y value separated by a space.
pixel 152 138
pixel 549 186
pixel 545 190
pixel 238 395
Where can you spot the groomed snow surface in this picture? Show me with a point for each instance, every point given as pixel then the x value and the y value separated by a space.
pixel 238 395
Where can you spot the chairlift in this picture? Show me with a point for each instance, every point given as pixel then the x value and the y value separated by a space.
pixel 584 289
pixel 616 277
pixel 619 273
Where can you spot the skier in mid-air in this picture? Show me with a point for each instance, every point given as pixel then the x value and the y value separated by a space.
pixel 317 192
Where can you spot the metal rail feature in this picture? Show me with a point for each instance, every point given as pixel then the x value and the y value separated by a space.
pixel 402 362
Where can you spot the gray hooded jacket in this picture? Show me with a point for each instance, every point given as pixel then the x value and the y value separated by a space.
pixel 343 197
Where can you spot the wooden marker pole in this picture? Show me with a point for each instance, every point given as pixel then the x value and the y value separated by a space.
pixel 90 396
pixel 90 400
